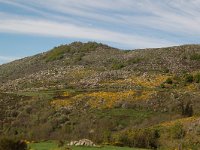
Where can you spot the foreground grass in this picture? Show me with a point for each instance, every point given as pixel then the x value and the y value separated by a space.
pixel 53 146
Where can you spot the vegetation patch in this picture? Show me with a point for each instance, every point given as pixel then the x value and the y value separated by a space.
pixel 57 53
pixel 11 144
pixel 195 57
pixel 142 138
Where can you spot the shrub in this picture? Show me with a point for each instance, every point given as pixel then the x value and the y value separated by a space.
pixel 169 81
pixel 189 78
pixel 162 85
pixel 90 46
pixel 10 144
pixel 177 131
pixel 61 143
pixel 197 78
pixel 166 70
pixel 57 53
pixel 187 110
pixel 141 138
pixel 117 66
pixel 195 57
pixel 134 61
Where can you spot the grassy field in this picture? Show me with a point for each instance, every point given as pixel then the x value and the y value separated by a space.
pixel 53 146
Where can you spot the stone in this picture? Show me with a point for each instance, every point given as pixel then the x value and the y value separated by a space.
pixel 82 142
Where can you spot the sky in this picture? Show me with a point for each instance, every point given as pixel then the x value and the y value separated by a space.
pixel 28 27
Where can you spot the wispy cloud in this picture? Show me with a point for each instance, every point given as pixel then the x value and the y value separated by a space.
pixel 138 24
pixel 49 28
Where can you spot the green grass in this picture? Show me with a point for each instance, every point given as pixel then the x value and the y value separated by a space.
pixel 43 146
pixel 125 112
pixel 104 148
pixel 53 146
pixel 123 117
pixel 48 94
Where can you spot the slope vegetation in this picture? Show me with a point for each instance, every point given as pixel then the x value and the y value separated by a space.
pixel 146 98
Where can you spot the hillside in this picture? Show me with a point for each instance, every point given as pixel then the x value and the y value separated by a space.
pixel 113 96
pixel 92 62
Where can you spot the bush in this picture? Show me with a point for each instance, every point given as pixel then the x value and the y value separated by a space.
pixel 195 57
pixel 162 85
pixel 134 61
pixel 10 144
pixel 189 78
pixel 177 131
pixel 57 53
pixel 117 66
pixel 169 81
pixel 141 138
pixel 197 78
pixel 61 143
pixel 187 110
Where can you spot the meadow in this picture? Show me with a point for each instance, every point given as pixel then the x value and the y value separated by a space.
pixel 53 146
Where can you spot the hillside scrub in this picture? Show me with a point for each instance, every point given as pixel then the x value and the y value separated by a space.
pixel 90 90
pixel 11 144
pixel 141 138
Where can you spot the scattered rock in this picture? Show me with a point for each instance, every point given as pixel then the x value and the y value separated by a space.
pixel 83 142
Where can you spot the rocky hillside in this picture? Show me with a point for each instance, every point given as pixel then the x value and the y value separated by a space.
pixel 111 96
pixel 88 64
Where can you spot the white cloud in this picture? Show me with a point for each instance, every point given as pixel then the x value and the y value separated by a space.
pixel 48 28
pixel 75 19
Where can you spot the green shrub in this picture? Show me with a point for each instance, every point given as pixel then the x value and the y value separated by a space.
pixel 187 110
pixel 74 48
pixel 177 131
pixel 61 143
pixel 166 70
pixel 189 78
pixel 197 78
pixel 57 53
pixel 117 66
pixel 162 85
pixel 169 81
pixel 195 57
pixel 10 144
pixel 90 46
pixel 78 57
pixel 134 61
pixel 141 138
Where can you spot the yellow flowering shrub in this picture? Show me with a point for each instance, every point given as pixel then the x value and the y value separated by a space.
pixel 182 121
pixel 108 99
pixel 190 88
pixel 103 99
pixel 150 81
pixel 66 94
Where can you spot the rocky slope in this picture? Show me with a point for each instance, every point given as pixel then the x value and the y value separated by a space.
pixel 90 63
pixel 91 90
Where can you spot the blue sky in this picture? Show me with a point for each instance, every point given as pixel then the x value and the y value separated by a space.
pixel 29 27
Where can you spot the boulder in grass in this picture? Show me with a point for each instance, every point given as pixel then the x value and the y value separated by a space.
pixel 72 143
pixel 83 142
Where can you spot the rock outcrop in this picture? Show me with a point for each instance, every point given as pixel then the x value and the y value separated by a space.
pixel 82 142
